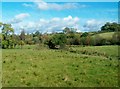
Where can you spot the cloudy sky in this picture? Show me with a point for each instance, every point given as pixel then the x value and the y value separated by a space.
pixel 55 16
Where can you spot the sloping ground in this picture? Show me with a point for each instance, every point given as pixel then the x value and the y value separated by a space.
pixel 107 51
pixel 59 68
pixel 107 35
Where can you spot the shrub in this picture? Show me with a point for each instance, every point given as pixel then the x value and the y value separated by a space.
pixel 21 43
pixel 57 40
pixel 116 38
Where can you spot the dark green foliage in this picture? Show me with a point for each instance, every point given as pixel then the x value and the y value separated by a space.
pixel 50 44
pixel 85 34
pixel 56 41
pixel 37 33
pixel 110 27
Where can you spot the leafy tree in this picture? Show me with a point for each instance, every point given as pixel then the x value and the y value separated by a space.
pixel 85 34
pixel 36 34
pixel 22 35
pixel 72 38
pixel 7 35
pixel 110 27
pixel 66 30
pixel 56 40
pixel 37 37
pixel 69 30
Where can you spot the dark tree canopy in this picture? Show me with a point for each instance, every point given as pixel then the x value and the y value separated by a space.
pixel 110 27
pixel 22 35
pixel 85 34
pixel 57 39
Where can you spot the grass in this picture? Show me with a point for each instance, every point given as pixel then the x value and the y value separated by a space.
pixel 107 35
pixel 0 68
pixel 30 67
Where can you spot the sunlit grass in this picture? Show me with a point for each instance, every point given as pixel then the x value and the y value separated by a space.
pixel 60 68
pixel 107 35
pixel 0 68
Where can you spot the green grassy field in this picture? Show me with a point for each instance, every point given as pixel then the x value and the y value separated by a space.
pixel 107 35
pixel 77 67
pixel 0 68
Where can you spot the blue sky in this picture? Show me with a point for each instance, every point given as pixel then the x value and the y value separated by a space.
pixel 63 0
pixel 54 16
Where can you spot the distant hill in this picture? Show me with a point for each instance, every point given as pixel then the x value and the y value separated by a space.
pixel 106 35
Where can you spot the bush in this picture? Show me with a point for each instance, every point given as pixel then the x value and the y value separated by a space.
pixel 83 41
pixel 5 44
pixel 56 41
pixel 116 38
pixel 21 43
pixel 98 41
pixel 85 34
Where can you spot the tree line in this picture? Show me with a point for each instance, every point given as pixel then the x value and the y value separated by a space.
pixel 69 36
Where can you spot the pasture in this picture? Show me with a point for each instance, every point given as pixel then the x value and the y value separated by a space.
pixel 106 35
pixel 0 68
pixel 90 66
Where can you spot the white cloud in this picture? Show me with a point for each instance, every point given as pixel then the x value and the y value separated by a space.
pixel 22 16
pixel 68 18
pixel 27 5
pixel 93 25
pixel 42 5
pixel 56 24
pixel 51 25
pixel 18 18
